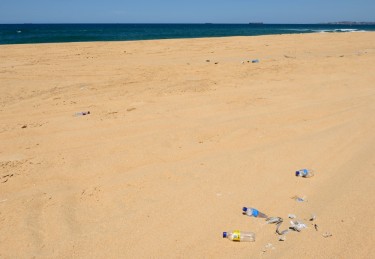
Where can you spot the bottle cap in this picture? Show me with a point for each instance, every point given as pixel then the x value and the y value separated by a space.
pixel 297 173
pixel 225 234
pixel 244 209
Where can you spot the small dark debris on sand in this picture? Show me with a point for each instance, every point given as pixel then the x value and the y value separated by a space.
pixel 327 234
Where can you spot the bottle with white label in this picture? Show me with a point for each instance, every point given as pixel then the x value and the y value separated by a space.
pixel 239 236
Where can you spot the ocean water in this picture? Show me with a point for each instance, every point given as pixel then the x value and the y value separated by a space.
pixel 52 33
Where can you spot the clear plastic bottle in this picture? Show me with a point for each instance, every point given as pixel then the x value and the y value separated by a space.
pixel 82 113
pixel 240 236
pixel 306 173
pixel 253 212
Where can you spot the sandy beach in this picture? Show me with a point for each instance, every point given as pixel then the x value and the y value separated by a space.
pixel 181 135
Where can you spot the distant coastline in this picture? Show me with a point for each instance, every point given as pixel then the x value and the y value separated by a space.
pixel 349 23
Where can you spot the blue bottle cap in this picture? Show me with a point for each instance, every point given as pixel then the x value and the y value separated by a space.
pixel 225 234
pixel 244 209
pixel 297 173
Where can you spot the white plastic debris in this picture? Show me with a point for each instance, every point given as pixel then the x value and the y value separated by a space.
pixel 297 225
pixel 274 220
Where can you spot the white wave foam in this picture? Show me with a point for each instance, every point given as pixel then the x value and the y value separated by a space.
pixel 346 30
pixel 338 30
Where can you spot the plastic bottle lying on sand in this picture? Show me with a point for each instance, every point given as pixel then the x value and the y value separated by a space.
pixel 253 212
pixel 240 236
pixel 306 173
pixel 81 113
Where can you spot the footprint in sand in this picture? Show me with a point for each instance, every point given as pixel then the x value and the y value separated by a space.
pixel 10 168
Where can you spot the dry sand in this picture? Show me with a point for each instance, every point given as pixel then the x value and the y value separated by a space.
pixel 176 145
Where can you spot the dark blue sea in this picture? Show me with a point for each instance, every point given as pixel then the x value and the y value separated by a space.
pixel 49 33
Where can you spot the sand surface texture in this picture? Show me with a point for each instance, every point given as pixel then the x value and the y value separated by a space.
pixel 182 134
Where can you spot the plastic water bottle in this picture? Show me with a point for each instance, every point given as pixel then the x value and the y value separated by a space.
pixel 81 113
pixel 240 236
pixel 306 173
pixel 253 212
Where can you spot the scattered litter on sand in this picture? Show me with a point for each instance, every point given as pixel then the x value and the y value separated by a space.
pixel 295 224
